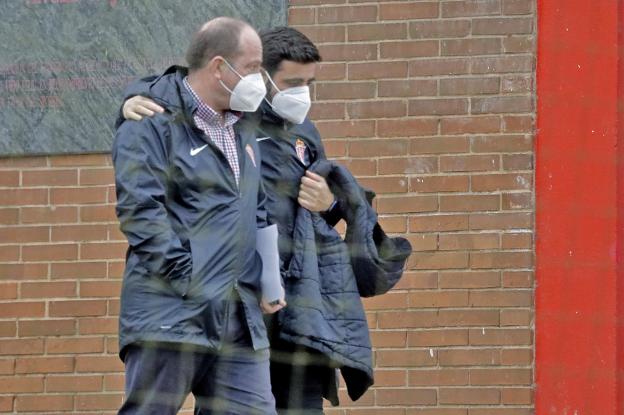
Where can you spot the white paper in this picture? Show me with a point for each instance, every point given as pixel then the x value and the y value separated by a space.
pixel 266 245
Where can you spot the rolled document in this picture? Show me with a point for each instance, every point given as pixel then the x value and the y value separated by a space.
pixel 266 245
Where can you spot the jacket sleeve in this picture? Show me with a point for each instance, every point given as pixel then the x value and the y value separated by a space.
pixel 138 87
pixel 261 214
pixel 141 174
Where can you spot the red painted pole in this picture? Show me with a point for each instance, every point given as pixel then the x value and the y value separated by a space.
pixel 576 208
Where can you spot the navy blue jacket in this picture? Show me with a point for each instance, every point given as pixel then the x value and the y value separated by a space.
pixel 191 230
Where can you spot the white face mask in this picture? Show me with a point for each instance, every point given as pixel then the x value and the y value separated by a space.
pixel 248 93
pixel 292 104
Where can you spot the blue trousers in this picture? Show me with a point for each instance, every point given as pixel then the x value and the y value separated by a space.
pixel 232 381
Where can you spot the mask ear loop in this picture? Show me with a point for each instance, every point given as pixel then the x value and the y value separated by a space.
pixel 274 86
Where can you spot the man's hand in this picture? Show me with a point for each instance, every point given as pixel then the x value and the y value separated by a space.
pixel 314 194
pixel 273 308
pixel 137 107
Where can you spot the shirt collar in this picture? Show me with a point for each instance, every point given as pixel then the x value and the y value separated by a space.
pixel 209 115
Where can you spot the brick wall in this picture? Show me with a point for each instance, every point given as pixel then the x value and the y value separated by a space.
pixel 431 104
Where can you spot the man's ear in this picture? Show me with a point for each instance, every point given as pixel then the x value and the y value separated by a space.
pixel 216 66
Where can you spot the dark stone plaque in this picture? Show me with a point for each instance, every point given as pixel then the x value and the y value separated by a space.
pixel 65 63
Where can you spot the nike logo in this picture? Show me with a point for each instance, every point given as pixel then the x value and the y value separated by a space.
pixel 262 138
pixel 195 151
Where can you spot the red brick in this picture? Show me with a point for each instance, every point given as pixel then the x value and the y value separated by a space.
pixel 500 377
pixel 517 241
pixel 340 129
pixel 518 124
pixel 433 66
pixel 378 70
pixel 469 279
pixel 421 280
pixel 470 125
pixel 517 84
pixel 469 86
pixel 461 318
pixel 511 317
pixel 79 233
pixel 502 26
pixel 114 382
pixel 103 250
pixel 7 366
pixel 324 34
pixel 381 31
pixel 327 111
pixel 470 8
pixel 407 88
pixel 438 260
pixel 8 328
pixel 501 337
pixel 497 182
pixel 469 203
pixel 22 309
pixel 6 403
pixel 8 291
pixel 377 109
pixel 438 106
pixel 64 383
pixel 468 396
pixel 23 197
pixel 78 195
pixel 502 144
pixel 102 364
pixel 377 147
pixel 360 167
pixel 403 358
pixel 423 242
pixel 9 216
pixel 496 105
pixel 518 279
pixel 515 7
pixel 74 345
pixel 407 319
pixel 388 338
pixel 501 259
pixel 348 52
pixel 10 347
pixel 335 148
pixel 517 396
pixel 407 127
pixel 48 290
pixel 439 29
pixel 439 145
pixel 393 224
pixel 47 327
pixel 31 178
pixel 439 184
pixel 80 160
pixel 21 384
pixel 98 325
pixel 406 396
pixel 469 357
pixel 438 223
pixel 345 90
pixel 301 16
pixel 519 44
pixel 389 378
pixel 116 269
pixel 438 299
pixel 516 357
pixel 500 221
pixel 52 214
pixel 78 270
pixel 347 14
pixel 516 201
pixel 87 402
pixel 501 298
pixel 77 308
pixel 98 213
pixel 471 47
pixel 21 234
pixel 388 301
pixel 407 204
pixel 440 338
pixel 331 71
pixel 408 165
pixel 10 253
pixel 49 252
pixel 409 49
pixel 44 365
pixel 383 185
pixel 408 10
pixel 438 377
pixel 13 162
pixel 10 179
pixel 23 271
pixel 504 64
pixel 471 241
pixel 100 289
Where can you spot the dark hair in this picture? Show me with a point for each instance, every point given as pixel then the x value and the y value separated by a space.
pixel 286 43
pixel 218 37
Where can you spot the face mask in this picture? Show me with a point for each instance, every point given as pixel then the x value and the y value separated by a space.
pixel 248 92
pixel 292 104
